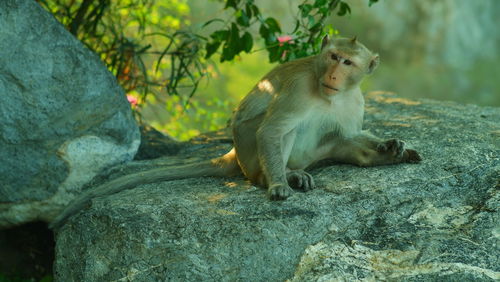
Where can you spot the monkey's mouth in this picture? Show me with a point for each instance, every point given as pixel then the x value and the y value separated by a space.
pixel 329 87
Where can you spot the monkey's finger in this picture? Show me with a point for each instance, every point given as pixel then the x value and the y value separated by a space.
pixel 279 192
pixel 396 147
pixel 387 146
pixel 312 185
pixel 412 156
pixel 381 148
pixel 400 148
pixel 393 146
pixel 308 182
pixel 305 183
pixel 300 180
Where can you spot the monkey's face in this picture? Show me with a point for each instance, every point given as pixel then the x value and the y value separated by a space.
pixel 343 64
pixel 338 72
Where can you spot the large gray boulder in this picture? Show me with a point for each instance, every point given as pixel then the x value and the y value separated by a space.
pixel 433 221
pixel 63 117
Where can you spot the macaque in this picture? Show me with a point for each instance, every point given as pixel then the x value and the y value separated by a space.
pixel 301 112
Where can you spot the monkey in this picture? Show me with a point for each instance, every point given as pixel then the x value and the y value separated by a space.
pixel 299 113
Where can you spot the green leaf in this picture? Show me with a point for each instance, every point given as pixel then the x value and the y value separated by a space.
pixel 227 53
pixel 256 11
pixel 212 48
pixel 242 18
pixel 248 10
pixel 234 40
pixel 305 9
pixel 319 3
pixel 247 42
pixel 311 21
pixel 372 2
pixel 289 56
pixel 235 32
pixel 273 25
pixel 324 10
pixel 264 31
pixel 211 21
pixel 316 27
pixel 274 53
pixel 232 3
pixel 344 8
pixel 220 35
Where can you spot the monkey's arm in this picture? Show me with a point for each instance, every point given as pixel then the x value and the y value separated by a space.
pixel 366 149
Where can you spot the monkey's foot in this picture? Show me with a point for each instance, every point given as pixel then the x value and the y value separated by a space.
pixel 278 192
pixel 396 148
pixel 300 179
pixel 411 156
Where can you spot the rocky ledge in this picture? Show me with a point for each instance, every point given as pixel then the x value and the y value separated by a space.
pixel 434 221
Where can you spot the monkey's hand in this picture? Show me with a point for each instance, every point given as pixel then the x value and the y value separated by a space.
pixel 396 149
pixel 279 192
pixel 300 179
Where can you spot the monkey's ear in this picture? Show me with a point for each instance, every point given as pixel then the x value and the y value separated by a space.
pixel 325 41
pixel 375 60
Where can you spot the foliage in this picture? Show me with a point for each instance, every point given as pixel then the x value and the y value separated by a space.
pixel 124 32
pixel 116 31
pixel 152 50
pixel 10 278
pixel 304 40
pixel 212 108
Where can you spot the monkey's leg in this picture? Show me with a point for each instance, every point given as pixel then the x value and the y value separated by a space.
pixel 245 144
pixel 299 179
pixel 368 150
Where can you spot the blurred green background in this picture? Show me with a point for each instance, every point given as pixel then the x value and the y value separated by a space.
pixel 444 50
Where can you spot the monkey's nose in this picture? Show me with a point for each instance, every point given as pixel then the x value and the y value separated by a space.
pixel 333 77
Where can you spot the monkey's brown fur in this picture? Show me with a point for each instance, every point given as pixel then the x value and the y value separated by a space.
pixel 299 113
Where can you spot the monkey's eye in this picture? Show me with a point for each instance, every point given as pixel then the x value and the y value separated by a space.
pixel 347 62
pixel 335 57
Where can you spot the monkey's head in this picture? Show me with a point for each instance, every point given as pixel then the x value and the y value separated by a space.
pixel 343 63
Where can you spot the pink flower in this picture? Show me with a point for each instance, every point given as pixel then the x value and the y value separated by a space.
pixel 284 38
pixel 132 100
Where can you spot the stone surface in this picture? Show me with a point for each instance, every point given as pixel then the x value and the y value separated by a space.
pixel 155 144
pixel 63 116
pixel 433 221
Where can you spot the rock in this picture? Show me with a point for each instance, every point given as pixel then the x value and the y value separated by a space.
pixel 155 144
pixel 64 117
pixel 433 221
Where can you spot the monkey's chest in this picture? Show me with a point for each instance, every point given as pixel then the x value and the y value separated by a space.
pixel 316 135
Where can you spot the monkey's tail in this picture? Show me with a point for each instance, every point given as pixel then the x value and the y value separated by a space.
pixel 223 166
